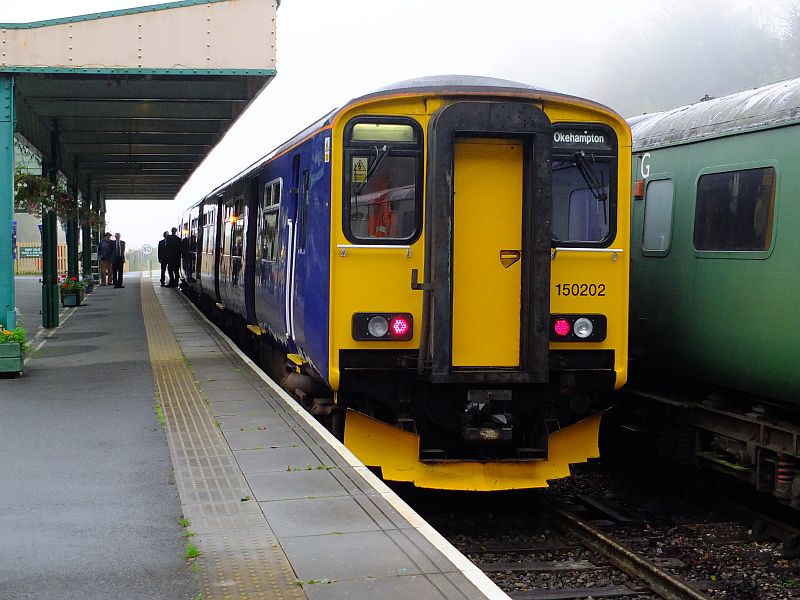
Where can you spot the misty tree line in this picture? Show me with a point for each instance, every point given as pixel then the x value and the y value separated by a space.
pixel 703 48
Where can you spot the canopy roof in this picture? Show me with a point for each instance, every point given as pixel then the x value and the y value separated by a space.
pixel 129 102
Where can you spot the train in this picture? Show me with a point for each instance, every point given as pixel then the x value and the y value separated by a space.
pixel 438 270
pixel 714 285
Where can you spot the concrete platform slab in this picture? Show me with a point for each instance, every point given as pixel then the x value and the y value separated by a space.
pixel 270 460
pixel 332 528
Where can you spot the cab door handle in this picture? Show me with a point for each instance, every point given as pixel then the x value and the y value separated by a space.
pixel 509 257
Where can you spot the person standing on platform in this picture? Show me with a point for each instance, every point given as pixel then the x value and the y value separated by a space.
pixel 118 261
pixel 105 252
pixel 172 245
pixel 162 256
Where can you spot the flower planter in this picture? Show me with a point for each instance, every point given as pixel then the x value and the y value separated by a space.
pixel 10 358
pixel 71 299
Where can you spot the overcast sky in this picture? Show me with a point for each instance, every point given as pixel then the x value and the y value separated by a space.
pixel 332 50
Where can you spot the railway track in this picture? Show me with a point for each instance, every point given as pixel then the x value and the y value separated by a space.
pixel 605 535
pixel 658 579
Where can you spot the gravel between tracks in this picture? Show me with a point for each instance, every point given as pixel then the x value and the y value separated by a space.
pixel 712 552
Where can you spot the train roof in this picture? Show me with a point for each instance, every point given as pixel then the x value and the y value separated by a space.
pixel 773 105
pixel 439 84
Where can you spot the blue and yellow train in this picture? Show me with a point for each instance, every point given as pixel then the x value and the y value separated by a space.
pixel 440 269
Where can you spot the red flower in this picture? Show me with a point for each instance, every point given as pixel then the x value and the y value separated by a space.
pixel 65 286
pixel 73 279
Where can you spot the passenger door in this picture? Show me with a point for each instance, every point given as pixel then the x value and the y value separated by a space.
pixel 487 246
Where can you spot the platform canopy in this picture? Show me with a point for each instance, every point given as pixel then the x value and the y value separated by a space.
pixel 127 103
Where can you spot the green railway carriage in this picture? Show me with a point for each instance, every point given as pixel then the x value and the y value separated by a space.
pixel 715 277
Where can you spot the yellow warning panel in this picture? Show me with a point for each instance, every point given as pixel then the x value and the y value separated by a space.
pixel 359 169
pixel 396 452
pixel 487 245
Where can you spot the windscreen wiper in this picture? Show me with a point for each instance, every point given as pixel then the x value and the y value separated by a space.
pixel 595 183
pixel 380 154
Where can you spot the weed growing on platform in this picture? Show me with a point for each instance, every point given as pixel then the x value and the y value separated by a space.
pixel 184 522
pixel 191 551
pixel 195 568
pixel 188 533
pixel 246 498
pixel 200 596
pixel 160 414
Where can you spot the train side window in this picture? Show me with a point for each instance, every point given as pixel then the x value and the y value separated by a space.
pixel 734 210
pixel 305 195
pixel 211 231
pixel 238 217
pixel 383 180
pixel 268 230
pixel 658 203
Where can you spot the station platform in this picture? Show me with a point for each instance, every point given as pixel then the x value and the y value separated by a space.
pixel 93 486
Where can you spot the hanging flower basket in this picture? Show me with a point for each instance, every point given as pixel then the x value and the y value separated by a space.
pixel 36 195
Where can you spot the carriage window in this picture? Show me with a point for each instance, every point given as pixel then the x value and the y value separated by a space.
pixel 658 201
pixel 268 221
pixel 734 210
pixel 304 200
pixel 237 218
pixel 581 198
pixel 382 174
pixel 210 235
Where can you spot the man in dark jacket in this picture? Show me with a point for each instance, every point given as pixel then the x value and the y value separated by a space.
pixel 162 255
pixel 118 261
pixel 105 252
pixel 172 247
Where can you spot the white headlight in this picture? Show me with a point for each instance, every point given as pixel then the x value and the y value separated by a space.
pixel 583 327
pixel 378 326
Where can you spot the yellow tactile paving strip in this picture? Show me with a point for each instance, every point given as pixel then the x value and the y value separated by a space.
pixel 240 555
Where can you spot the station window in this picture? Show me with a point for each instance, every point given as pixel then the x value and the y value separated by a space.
pixel 734 210
pixel 383 180
pixel 658 203
pixel 268 221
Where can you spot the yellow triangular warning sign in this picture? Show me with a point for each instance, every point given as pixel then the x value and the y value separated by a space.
pixel 359 170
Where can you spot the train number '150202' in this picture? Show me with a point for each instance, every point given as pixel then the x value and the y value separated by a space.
pixel 581 289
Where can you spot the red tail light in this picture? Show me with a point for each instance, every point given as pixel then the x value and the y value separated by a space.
pixel 386 327
pixel 399 327
pixel 562 327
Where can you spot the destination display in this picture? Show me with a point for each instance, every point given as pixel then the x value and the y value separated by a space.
pixel 582 139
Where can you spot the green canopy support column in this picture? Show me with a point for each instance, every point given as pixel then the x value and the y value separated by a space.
pixel 50 295
pixel 7 315
pixel 86 234
pixel 72 232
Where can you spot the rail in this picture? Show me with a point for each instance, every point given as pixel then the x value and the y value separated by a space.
pixel 659 580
